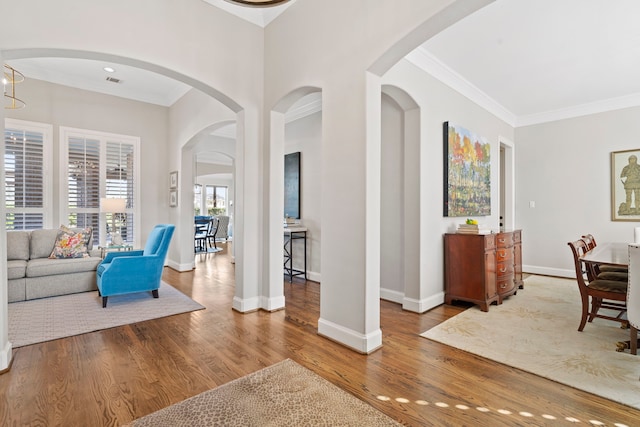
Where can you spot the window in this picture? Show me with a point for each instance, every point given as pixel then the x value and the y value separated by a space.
pixel 27 148
pixel 100 165
pixel 216 200
pixel 197 199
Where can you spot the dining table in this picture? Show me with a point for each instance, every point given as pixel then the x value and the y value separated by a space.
pixel 611 253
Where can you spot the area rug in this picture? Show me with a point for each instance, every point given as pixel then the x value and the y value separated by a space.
pixel 536 331
pixel 51 318
pixel 284 394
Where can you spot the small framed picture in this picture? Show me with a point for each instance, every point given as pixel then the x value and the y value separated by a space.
pixel 173 198
pixel 173 180
pixel 625 185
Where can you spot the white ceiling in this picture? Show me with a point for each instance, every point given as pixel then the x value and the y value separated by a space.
pixel 526 61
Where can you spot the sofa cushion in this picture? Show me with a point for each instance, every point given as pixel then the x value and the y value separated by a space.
pixel 16 269
pixel 71 244
pixel 17 245
pixel 50 267
pixel 42 242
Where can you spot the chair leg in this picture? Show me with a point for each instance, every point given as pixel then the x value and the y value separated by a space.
pixel 633 345
pixel 585 312
pixel 154 293
pixel 595 307
pixel 104 302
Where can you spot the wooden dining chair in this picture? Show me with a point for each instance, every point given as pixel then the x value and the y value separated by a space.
pixel 607 294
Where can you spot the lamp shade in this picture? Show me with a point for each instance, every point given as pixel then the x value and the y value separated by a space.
pixel 113 205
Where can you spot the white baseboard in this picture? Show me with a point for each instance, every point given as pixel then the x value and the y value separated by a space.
pixel 364 344
pixel 545 271
pixel 272 304
pixel 5 356
pixel 391 295
pixel 423 305
pixel 246 305
pixel 179 267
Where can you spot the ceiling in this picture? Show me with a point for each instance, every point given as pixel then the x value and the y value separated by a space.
pixel 525 61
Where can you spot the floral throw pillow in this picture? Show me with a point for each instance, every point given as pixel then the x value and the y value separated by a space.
pixel 71 244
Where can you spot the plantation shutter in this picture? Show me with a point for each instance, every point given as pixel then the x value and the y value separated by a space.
pixel 120 183
pixel 25 189
pixel 84 183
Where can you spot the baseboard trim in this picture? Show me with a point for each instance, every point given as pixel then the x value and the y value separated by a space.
pixel 272 304
pixel 364 344
pixel 545 271
pixel 246 305
pixel 6 358
pixel 423 305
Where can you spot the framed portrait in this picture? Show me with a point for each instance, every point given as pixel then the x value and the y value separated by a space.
pixel 467 173
pixel 625 185
pixel 173 198
pixel 173 180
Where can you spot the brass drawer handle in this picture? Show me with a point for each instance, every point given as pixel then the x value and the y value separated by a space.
pixel 502 270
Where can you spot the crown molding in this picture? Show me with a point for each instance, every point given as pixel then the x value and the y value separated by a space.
pixel 424 60
pixel 312 104
pixel 627 101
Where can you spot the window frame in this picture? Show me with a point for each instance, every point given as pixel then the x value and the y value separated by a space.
pixel 47 186
pixel 104 138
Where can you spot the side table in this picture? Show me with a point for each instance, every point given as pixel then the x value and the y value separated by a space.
pixel 291 234
pixel 110 248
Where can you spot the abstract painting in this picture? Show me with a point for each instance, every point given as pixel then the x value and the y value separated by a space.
pixel 467 173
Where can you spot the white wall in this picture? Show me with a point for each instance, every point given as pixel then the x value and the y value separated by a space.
pixel 65 106
pixel 438 103
pixel 564 167
pixel 393 207
pixel 304 135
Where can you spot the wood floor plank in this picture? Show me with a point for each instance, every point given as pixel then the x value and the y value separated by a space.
pixel 113 376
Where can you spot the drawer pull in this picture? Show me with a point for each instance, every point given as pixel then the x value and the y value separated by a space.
pixel 504 285
pixel 502 270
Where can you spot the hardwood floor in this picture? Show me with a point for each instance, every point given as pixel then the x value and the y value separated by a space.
pixel 111 377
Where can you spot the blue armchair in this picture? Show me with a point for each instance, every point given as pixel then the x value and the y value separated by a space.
pixel 135 271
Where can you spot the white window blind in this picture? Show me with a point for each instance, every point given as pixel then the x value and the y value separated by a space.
pixel 101 165
pixel 83 179
pixel 27 181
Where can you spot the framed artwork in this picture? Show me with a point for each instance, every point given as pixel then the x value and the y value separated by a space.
pixel 173 198
pixel 292 185
pixel 173 179
pixel 467 173
pixel 625 185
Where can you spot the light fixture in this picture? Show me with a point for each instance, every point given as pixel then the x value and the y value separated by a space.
pixel 113 206
pixel 109 69
pixel 258 3
pixel 9 79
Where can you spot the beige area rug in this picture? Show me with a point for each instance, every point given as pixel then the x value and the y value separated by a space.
pixel 51 318
pixel 537 331
pixel 284 394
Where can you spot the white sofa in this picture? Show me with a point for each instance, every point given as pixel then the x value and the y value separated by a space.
pixel 32 274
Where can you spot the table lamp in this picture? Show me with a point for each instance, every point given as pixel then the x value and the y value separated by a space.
pixel 113 206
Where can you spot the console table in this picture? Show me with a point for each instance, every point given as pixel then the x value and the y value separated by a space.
pixel 482 268
pixel 291 234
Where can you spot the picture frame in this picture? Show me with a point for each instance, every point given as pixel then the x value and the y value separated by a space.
pixel 467 173
pixel 173 180
pixel 625 185
pixel 292 185
pixel 173 198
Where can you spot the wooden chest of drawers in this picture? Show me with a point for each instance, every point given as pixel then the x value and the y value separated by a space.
pixel 482 269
